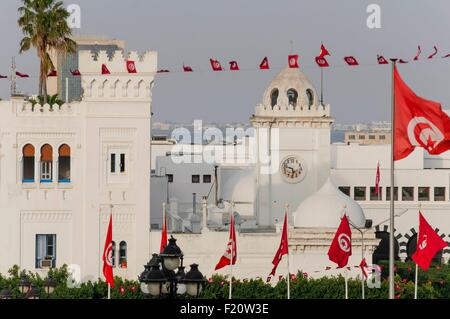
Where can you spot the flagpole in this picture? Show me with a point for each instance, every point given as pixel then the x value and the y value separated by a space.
pixel 415 281
pixel 232 251
pixel 391 215
pixel 321 82
pixel 109 291
pixel 288 268
pixel 346 282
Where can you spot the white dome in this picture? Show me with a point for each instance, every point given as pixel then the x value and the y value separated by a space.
pixel 291 79
pixel 239 187
pixel 326 207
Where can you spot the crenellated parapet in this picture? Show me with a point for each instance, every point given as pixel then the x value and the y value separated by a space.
pixel 28 109
pixel 119 85
pixel 295 111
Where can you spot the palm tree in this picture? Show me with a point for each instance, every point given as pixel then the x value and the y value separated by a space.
pixel 44 25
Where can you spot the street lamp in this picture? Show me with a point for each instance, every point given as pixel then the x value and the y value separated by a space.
pixel 24 285
pixel 194 281
pixel 164 274
pixel 33 293
pixel 49 285
pixel 6 294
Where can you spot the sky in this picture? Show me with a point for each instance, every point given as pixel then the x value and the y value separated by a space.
pixel 191 32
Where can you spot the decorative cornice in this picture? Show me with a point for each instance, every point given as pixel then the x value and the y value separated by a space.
pixel 46 216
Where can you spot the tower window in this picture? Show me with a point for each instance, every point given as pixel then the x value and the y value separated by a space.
pixel 310 96
pixel 123 254
pixel 28 164
pixel 64 164
pixel 292 97
pixel 45 251
pixel 274 97
pixel 46 163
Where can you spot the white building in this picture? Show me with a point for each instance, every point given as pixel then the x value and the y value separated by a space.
pixel 306 172
pixel 64 169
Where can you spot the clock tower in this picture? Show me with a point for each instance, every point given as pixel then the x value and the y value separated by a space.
pixel 292 132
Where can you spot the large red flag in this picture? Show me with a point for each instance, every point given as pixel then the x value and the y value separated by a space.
pixel 282 249
pixel 428 244
pixel 229 257
pixel 163 233
pixel 377 179
pixel 107 256
pixel 341 246
pixel 418 122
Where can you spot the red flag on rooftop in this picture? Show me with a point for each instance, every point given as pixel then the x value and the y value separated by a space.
pixel 428 244
pixel 293 60
pixel 107 256
pixel 416 57
pixel 434 53
pixel 75 72
pixel 234 66
pixel 52 73
pixel 215 65
pixel 381 60
pixel 3 76
pixel 282 248
pixel 323 51
pixel 131 67
pixel 418 122
pixel 105 69
pixel 187 68
pixel 351 61
pixel 377 179
pixel 341 246
pixel 230 255
pixel 22 75
pixel 264 65
pixel 322 62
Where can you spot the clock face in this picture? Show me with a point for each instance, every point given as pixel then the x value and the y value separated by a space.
pixel 293 169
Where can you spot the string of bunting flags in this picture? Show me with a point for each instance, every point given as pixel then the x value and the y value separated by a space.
pixel 321 61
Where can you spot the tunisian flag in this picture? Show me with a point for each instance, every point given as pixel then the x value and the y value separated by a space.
pixel 282 249
pixel 293 61
pixel 322 62
pixel 350 60
pixel 234 66
pixel 341 246
pixel 107 256
pixel 377 179
pixel 131 67
pixel 215 65
pixel 428 244
pixel 22 75
pixel 323 51
pixel 163 234
pixel 229 257
pixel 418 122
pixel 264 65
pixel 105 69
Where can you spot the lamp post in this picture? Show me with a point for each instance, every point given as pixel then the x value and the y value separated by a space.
pixel 164 274
pixel 49 285
pixel 24 285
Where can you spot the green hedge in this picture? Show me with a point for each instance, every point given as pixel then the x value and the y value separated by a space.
pixel 433 284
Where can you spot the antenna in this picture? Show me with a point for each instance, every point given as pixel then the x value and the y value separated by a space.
pixel 13 76
pixel 291 43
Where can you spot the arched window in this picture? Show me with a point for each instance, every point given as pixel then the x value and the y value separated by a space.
pixel 64 164
pixel 292 97
pixel 310 96
pixel 273 97
pixel 28 164
pixel 123 254
pixel 382 250
pixel 412 246
pixel 46 163
pixel 113 253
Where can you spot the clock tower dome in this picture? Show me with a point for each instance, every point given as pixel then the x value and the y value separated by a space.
pixel 292 131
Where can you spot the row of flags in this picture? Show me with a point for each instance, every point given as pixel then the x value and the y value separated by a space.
pixel 321 60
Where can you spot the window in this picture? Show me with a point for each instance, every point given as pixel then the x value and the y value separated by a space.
pixel 439 194
pixel 113 162
pixel 374 195
pixel 292 97
pixel 407 193
pixel 169 178
pixel 382 137
pixel 345 190
pixel 46 163
pixel 310 97
pixel 28 164
pixel 196 179
pixel 123 254
pixel 362 137
pixel 371 137
pixel 424 193
pixel 122 162
pixel 206 178
pixel 360 193
pixel 274 97
pixel 64 164
pixel 351 137
pixel 45 251
pixel 388 193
